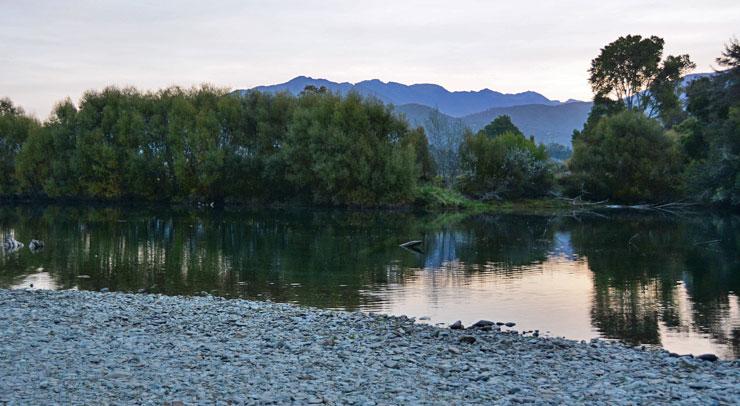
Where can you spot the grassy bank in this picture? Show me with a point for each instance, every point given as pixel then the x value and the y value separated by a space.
pixel 434 198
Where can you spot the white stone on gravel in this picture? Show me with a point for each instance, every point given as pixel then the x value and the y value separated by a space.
pixel 70 347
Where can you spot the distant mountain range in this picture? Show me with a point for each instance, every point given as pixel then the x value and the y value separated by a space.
pixel 547 120
pixel 455 104
pixel 548 124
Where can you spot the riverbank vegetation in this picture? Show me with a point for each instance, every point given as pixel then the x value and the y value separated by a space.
pixel 652 136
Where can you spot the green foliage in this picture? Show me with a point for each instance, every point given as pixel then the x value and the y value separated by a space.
pixel 505 165
pixel 500 125
pixel 203 144
pixel 425 165
pixel 626 157
pixel 434 197
pixel 630 70
pixel 14 130
pixel 349 151
pixel 711 136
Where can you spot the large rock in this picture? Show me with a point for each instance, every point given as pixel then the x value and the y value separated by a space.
pixel 467 339
pixel 707 357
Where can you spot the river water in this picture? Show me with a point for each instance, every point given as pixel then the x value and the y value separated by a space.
pixel 642 278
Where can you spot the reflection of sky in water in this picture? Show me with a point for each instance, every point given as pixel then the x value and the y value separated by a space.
pixel 441 248
pixel 38 280
pixel 552 296
pixel 689 338
pixel 562 247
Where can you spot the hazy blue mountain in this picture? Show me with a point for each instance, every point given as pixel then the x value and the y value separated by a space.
pixel 547 124
pixel 297 84
pixel 549 121
pixel 456 104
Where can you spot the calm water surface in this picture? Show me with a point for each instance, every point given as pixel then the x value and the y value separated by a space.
pixel 670 281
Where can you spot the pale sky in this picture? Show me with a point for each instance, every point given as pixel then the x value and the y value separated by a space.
pixel 53 49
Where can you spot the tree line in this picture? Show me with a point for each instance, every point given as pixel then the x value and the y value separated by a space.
pixel 648 138
pixel 206 145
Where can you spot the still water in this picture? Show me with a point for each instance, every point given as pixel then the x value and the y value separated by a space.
pixel 661 280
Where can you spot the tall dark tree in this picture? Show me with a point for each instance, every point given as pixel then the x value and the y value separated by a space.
pixel 425 165
pixel 711 136
pixel 631 71
pixel 500 125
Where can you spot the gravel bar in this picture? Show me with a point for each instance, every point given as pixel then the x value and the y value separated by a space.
pixel 70 347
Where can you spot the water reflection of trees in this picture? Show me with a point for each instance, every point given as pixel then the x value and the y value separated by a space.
pixel 639 264
pixel 317 258
pixel 334 258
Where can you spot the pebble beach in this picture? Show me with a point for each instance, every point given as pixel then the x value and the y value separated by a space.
pixel 74 347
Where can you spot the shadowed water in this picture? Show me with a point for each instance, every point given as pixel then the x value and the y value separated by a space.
pixel 641 278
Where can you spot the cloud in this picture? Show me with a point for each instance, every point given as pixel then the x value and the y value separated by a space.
pixel 50 50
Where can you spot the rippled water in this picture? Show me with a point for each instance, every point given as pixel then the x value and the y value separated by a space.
pixel 640 278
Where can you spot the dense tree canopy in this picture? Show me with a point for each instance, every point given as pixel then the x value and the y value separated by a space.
pixel 499 162
pixel 641 143
pixel 631 72
pixel 15 127
pixel 711 136
pixel 500 125
pixel 626 157
pixel 204 144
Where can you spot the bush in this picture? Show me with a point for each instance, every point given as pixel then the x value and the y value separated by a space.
pixel 626 157
pixel 505 166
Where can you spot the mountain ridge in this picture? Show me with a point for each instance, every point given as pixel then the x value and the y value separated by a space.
pixel 452 103
pixel 548 124
pixel 536 115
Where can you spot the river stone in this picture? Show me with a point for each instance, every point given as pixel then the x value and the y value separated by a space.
pixel 707 357
pixel 457 325
pixel 117 348
pixel 467 339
